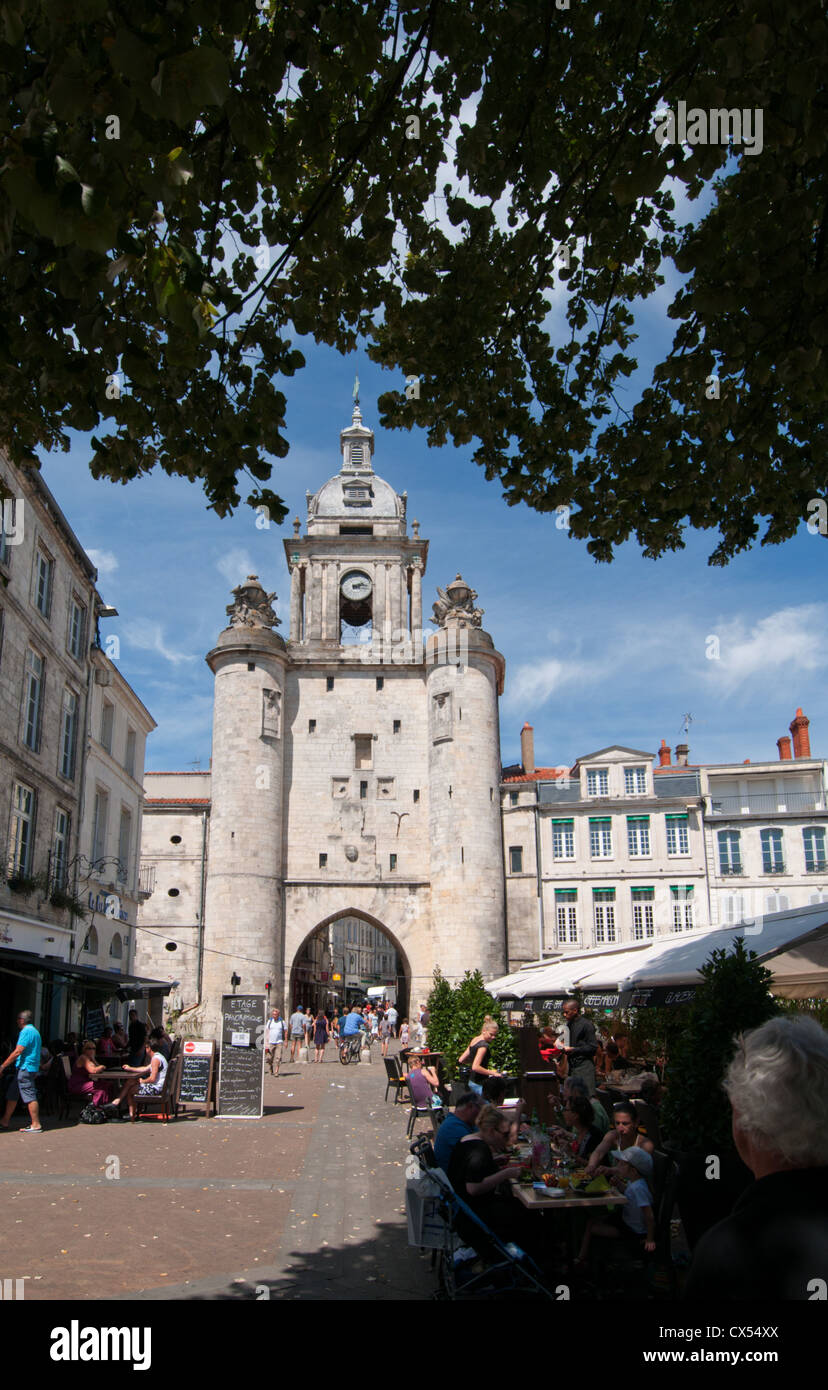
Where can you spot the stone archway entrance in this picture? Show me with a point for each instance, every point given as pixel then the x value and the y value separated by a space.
pixel 342 959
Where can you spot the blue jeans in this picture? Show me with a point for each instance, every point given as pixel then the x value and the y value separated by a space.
pixel 473 1086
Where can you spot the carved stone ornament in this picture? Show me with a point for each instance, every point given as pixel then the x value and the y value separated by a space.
pixel 271 713
pixel 455 606
pixel 351 853
pixel 251 605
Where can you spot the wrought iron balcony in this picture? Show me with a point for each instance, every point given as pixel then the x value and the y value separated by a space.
pixel 767 803
pixel 146 881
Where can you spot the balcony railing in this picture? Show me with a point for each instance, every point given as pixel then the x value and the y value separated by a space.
pixel 146 881
pixel 766 803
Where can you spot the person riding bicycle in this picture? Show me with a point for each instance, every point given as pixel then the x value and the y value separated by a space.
pixel 351 1026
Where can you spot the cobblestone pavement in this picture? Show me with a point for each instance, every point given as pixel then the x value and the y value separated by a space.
pixel 307 1202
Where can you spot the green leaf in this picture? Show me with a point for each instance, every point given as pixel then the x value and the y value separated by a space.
pixel 190 81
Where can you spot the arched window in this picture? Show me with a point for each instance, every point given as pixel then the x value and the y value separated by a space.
pixel 116 949
pixel 91 942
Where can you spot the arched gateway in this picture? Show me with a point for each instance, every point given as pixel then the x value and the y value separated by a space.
pixel 345 957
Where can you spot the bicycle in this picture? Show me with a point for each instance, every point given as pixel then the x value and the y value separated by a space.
pixel 350 1048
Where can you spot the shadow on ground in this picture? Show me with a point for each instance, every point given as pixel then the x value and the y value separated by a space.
pixel 383 1267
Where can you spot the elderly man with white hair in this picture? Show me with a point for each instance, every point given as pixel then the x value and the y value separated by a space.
pixel 774 1245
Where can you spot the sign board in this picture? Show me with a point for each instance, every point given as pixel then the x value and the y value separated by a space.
pixel 95 1023
pixel 195 1077
pixel 657 996
pixel 241 1066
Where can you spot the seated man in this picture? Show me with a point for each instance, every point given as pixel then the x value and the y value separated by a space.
pixel 574 1086
pixel 774 1245
pixel 455 1127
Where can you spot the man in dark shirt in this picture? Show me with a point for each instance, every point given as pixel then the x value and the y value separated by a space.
pixel 774 1245
pixel 582 1044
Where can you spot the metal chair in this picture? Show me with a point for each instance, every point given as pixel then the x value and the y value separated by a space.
pixel 394 1078
pixel 163 1106
pixel 418 1111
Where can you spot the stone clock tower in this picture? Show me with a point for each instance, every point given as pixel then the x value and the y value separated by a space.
pixel 356 761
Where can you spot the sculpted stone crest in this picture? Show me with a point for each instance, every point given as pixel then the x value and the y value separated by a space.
pixel 455 606
pixel 251 605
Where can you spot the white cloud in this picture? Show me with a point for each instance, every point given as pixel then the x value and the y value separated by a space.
pixel 149 637
pixel 234 566
pixel 104 561
pixel 532 685
pixel 786 642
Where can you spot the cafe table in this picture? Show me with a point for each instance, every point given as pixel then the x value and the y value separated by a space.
pixel 535 1200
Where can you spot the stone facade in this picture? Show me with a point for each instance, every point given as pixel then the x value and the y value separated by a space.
pixel 355 766
pixel 614 850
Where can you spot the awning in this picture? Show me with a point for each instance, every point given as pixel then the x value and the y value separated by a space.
pixel 131 986
pixel 793 945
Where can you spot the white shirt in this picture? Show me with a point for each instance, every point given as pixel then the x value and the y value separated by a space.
pixel 392 1017
pixel 276 1031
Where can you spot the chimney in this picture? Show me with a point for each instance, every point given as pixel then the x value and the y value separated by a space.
pixel 682 749
pixel 663 755
pixel 527 748
pixel 784 746
pixel 799 730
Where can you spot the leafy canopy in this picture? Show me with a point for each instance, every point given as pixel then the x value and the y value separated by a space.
pixel 407 172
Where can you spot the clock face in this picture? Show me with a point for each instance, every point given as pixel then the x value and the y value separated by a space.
pixel 356 586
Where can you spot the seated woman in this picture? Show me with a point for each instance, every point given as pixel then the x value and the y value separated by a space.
pixel 625 1134
pixel 583 1135
pixel 478 1178
pixel 147 1081
pixel 422 1081
pixel 120 1038
pixel 477 1053
pixel 81 1079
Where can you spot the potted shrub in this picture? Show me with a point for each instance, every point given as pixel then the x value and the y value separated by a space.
pixel 734 996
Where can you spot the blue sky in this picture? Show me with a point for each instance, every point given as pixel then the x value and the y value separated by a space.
pixel 595 654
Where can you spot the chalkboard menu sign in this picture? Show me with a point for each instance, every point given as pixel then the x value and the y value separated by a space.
pixel 241 1067
pixel 195 1077
pixel 95 1023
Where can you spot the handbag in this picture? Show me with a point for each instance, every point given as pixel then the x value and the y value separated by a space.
pixel 91 1115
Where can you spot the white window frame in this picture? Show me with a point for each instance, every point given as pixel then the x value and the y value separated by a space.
pixel 563 840
pixel 600 839
pixel 638 837
pixel 635 781
pixel 76 637
pixel 100 818
pixel 20 848
pixel 603 916
pixel 678 836
pixel 772 842
pixel 33 689
pixel 731 840
pixel 107 725
pixel 643 914
pixel 677 902
pixel 44 581
pixel 813 841
pixel 60 848
pixel 566 921
pixel 600 775
pixel 68 733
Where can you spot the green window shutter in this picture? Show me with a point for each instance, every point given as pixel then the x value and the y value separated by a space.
pixel 687 888
pixel 640 819
pixel 568 821
pixel 600 820
pixel 643 892
pixel 566 892
pixel 670 815
pixel 605 894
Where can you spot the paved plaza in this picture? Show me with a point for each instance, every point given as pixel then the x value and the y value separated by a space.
pixel 307 1202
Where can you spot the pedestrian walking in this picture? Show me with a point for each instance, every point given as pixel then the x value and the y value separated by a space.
pixel 582 1044
pixel 26 1058
pixel 393 1019
pixel 296 1024
pixel 320 1035
pixel 385 1033
pixel 275 1034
